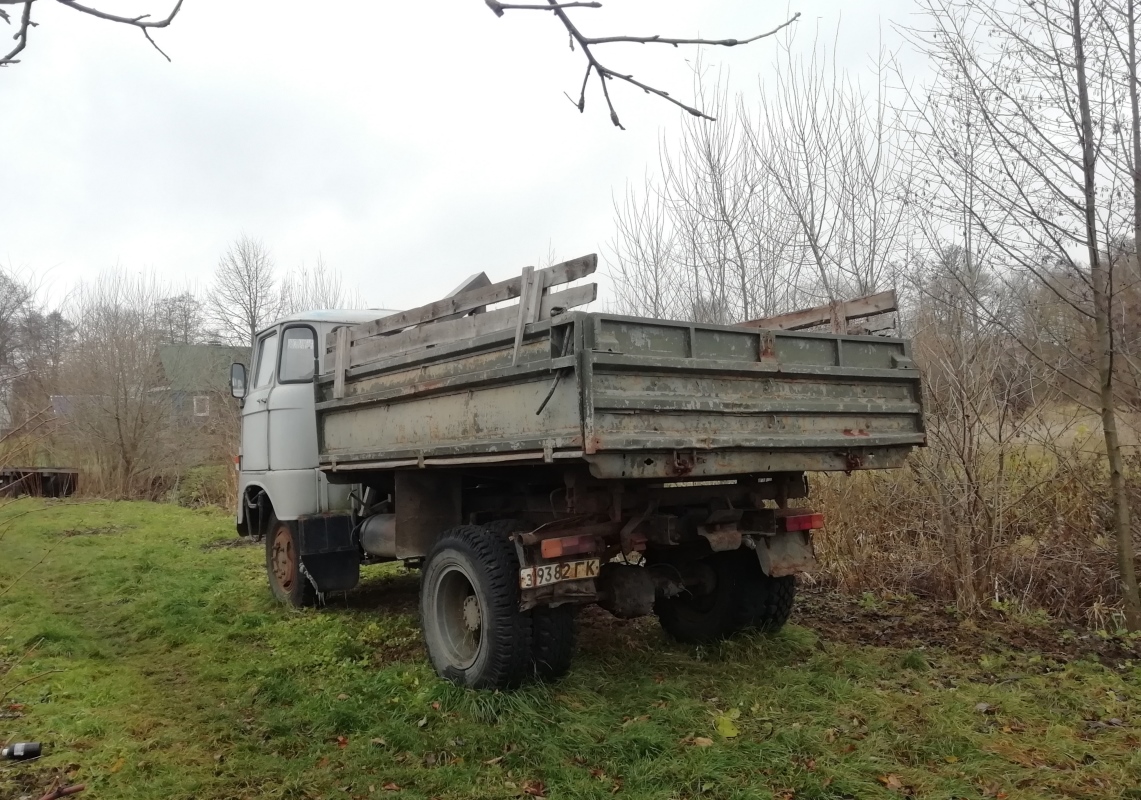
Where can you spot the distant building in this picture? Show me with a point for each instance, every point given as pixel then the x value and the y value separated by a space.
pixel 197 376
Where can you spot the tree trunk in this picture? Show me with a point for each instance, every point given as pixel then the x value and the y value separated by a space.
pixel 1101 280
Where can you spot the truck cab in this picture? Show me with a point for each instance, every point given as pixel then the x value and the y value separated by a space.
pixel 277 459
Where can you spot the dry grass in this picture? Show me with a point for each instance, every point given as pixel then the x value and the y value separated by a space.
pixel 1033 518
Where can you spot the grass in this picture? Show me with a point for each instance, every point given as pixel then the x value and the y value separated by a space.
pixel 180 679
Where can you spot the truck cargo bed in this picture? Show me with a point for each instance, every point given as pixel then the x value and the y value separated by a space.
pixel 634 398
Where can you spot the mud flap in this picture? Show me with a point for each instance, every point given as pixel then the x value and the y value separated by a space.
pixel 330 558
pixel 786 553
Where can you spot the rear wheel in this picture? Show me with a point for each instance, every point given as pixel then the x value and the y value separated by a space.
pixel 475 634
pixel 765 603
pixel 287 581
pixel 552 629
pixel 739 596
pixel 706 615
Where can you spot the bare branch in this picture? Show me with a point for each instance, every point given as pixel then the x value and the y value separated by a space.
pixel 605 73
pixel 143 22
pixel 499 8
pixel 21 36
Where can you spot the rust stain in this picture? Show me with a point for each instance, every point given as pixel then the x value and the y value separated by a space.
pixel 853 461
pixel 680 466
pixel 855 432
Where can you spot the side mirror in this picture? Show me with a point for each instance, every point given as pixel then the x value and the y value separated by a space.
pixel 238 380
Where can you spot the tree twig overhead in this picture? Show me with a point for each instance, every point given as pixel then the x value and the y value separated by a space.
pixel 604 73
pixel 143 22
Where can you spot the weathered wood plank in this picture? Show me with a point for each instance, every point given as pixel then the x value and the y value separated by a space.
pixel 463 302
pixel 527 284
pixel 363 351
pixel 341 363
pixel 823 315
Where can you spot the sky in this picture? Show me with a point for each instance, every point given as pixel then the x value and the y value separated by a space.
pixel 408 144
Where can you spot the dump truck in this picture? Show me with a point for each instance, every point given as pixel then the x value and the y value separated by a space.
pixel 530 458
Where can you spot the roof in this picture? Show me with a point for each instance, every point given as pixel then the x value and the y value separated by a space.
pixel 347 316
pixel 200 367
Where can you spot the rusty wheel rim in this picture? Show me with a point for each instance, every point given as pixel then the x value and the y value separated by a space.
pixel 283 559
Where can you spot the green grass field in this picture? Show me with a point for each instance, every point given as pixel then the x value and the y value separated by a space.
pixel 172 675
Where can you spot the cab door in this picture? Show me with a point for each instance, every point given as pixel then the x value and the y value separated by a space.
pixel 255 410
pixel 292 416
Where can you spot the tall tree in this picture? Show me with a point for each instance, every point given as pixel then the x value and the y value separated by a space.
pixel 244 296
pixel 1039 84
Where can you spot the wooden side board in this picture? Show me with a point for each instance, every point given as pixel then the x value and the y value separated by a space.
pixel 838 315
pixel 462 316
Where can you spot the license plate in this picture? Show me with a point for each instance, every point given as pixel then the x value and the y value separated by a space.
pixel 546 574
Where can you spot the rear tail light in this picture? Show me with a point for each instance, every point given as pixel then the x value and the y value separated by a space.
pixel 567 546
pixel 804 522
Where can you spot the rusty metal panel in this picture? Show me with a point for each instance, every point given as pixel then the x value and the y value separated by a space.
pixel 427 504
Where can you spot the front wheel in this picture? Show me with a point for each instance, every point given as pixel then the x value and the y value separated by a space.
pixel 283 567
pixel 475 634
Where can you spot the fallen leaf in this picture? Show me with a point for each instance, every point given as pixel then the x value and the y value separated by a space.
pixel 891 782
pixel 118 765
pixel 701 741
pixel 342 742
pixel 342 696
pixel 436 706
pixel 379 742
pixel 985 708
pixel 493 761
pixel 390 787
pixel 534 788
pixel 725 726
pixel 422 722
pixel 951 759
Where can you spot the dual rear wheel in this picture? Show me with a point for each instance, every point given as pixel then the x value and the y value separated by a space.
pixel 739 597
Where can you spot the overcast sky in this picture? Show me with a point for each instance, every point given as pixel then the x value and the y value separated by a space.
pixel 410 147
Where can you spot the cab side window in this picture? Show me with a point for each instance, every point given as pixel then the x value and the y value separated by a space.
pixel 297 352
pixel 267 358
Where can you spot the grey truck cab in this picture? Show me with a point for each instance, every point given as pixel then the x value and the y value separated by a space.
pixel 277 460
pixel 530 458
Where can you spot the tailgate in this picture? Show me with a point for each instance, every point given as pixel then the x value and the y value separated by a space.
pixel 722 399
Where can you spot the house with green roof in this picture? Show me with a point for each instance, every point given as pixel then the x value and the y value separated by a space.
pixel 197 376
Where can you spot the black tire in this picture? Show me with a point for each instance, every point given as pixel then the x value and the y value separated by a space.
pixel 552 629
pixel 287 581
pixel 707 617
pixel 765 603
pixel 474 632
pixel 743 598
pixel 553 640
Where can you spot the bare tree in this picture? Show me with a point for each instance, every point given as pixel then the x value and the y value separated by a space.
pixel 318 288
pixel 1038 86
pixel 802 201
pixel 181 319
pixel 117 417
pixel 244 296
pixel 24 23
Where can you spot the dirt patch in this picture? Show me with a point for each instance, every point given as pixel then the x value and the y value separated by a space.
pixel 912 623
pixel 231 544
pixel 30 782
pixel 396 594
pixel 98 531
